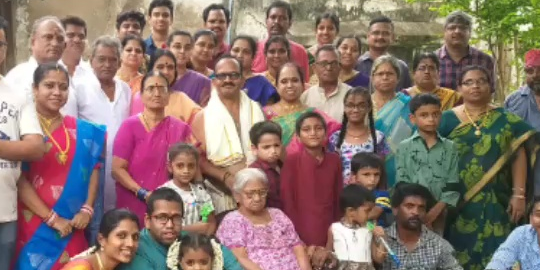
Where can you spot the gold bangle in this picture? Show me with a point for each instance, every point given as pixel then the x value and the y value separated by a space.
pixel 519 197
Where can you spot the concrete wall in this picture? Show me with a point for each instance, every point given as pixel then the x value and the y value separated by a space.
pixel 249 16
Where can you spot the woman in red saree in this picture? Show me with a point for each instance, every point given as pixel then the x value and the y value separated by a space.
pixel 56 193
pixel 140 148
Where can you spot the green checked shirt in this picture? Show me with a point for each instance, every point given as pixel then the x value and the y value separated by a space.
pixel 435 168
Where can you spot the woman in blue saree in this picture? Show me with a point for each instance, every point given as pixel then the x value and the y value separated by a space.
pixel 391 109
pixel 495 149
pixel 56 193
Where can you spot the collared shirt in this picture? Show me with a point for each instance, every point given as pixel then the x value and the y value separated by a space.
pixel 151 46
pixel 221 50
pixel 521 246
pixel 92 104
pixel 82 70
pixel 22 76
pixel 523 103
pixel 450 70
pixel 331 105
pixel 274 182
pixel 298 56
pixel 365 64
pixel 17 119
pixel 435 168
pixel 432 252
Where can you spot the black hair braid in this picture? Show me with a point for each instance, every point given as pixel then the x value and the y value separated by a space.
pixel 373 131
pixel 342 132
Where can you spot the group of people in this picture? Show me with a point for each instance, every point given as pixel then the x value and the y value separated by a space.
pixel 181 151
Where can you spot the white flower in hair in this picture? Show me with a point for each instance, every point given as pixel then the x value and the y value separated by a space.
pixel 85 253
pixel 174 250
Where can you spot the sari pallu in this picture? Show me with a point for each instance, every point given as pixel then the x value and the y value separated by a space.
pixel 393 120
pixel 485 170
pixel 64 188
pixel 288 126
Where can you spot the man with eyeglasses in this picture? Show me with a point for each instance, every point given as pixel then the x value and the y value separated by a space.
pixel 328 95
pixel 379 38
pixel 163 225
pixel 222 128
pixel 21 139
pixel 525 102
pixel 457 53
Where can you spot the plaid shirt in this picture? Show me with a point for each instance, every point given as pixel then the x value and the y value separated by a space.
pixel 450 70
pixel 431 253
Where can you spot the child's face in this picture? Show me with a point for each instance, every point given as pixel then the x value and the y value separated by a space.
pixel 360 215
pixel 268 149
pixel 427 118
pixel 367 177
pixel 312 133
pixel 183 168
pixel 196 259
pixel 356 108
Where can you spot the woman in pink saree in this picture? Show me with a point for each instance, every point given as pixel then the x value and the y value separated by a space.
pixel 141 145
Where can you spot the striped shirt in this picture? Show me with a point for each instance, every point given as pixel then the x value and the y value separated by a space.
pixel 193 200
pixel 450 70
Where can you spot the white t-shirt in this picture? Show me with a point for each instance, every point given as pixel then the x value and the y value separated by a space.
pixel 17 118
pixel 352 245
pixel 193 201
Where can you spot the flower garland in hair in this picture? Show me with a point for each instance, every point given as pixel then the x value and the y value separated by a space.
pixel 174 250
pixel 85 253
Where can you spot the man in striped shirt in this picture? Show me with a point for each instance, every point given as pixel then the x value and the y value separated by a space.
pixel 457 53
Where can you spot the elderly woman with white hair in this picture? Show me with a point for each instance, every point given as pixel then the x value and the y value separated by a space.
pixel 261 238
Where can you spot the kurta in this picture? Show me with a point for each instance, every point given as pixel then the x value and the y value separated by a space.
pixel 310 194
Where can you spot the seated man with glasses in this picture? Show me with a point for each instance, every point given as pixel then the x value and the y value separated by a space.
pixel 328 95
pixel 163 225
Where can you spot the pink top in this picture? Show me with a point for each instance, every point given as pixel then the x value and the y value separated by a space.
pixel 269 246
pixel 146 154
pixel 298 56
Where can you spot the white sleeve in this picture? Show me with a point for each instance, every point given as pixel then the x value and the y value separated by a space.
pixel 29 123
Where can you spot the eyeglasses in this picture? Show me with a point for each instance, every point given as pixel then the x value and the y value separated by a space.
pixel 360 106
pixel 471 82
pixel 153 88
pixel 326 64
pixel 223 76
pixel 164 219
pixel 262 193
pixel 427 68
pixel 3 44
pixel 454 27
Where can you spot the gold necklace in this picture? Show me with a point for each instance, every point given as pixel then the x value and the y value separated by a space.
pixel 48 122
pixel 62 156
pixel 478 131
pixel 359 136
pixel 289 108
pixel 100 263
pixel 145 122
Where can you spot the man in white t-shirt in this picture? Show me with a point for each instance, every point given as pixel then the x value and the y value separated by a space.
pixel 20 139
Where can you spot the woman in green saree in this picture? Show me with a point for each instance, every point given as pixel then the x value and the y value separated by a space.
pixel 391 109
pixel 290 85
pixel 493 169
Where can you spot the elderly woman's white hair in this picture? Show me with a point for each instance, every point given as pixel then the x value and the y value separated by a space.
pixel 244 176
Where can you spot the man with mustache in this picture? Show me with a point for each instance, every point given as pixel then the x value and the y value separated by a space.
pixel 217 18
pixel 130 22
pixel 415 245
pixel 76 31
pixel 278 22
pixel 163 225
pixel 525 102
pixel 457 53
pixel 20 139
pixel 222 128
pixel 105 100
pixel 379 38
pixel 328 95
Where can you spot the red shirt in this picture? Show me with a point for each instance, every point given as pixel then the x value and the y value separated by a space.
pixel 274 182
pixel 310 194
pixel 298 56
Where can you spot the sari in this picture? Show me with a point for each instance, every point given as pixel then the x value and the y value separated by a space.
pixel 135 84
pixel 482 223
pixel 195 85
pixel 393 120
pixel 288 126
pixel 259 89
pixel 356 80
pixel 449 98
pixel 146 154
pixel 63 188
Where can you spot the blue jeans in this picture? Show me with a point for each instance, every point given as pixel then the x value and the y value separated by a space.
pixel 93 228
pixel 8 239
